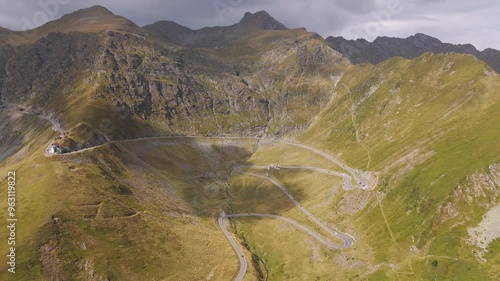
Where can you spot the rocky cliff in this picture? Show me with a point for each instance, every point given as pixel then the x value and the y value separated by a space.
pixel 155 84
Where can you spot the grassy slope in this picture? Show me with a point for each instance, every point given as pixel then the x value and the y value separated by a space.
pixel 99 210
pixel 87 21
pixel 121 216
pixel 423 135
pixel 391 125
pixel 447 117
pixel 288 253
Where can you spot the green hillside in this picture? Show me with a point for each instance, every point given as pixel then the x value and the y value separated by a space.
pixel 397 165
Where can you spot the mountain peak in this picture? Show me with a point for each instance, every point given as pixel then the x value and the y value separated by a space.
pixel 93 11
pixel 93 19
pixel 262 20
pixel 422 36
pixel 217 36
pixel 383 48
pixel 4 30
pixel 88 20
pixel 261 14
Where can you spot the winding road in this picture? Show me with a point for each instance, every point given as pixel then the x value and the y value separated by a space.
pixel 348 240
pixel 334 233
pixel 321 239
pixel 363 184
pixel 243 263
pixel 348 169
pixel 56 126
pixel 347 184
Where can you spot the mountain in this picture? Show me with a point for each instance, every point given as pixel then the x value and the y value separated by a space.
pixel 172 90
pixel 491 57
pixel 175 143
pixel 408 120
pixel 89 20
pixel 4 30
pixel 211 37
pixel 383 48
pixel 93 19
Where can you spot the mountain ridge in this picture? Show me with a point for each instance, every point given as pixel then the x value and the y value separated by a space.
pixel 213 37
pixel 88 20
pixel 160 139
pixel 383 48
pixel 98 18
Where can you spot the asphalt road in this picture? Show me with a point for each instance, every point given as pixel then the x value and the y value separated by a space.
pixel 241 257
pixel 334 233
pixel 222 220
pixel 333 159
pixel 243 263
pixel 348 169
pixel 347 178
pixel 330 245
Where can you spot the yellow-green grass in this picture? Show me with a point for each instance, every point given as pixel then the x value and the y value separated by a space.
pixel 454 133
pixel 290 254
pixel 172 192
pixel 121 226
pixel 286 250
pixel 284 154
pixel 256 195
pixel 443 125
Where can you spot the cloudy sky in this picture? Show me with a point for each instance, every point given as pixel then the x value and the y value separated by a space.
pixel 455 21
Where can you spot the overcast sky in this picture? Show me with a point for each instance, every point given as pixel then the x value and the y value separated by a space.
pixel 454 21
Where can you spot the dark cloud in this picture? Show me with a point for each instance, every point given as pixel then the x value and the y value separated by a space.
pixel 458 21
pixel 357 7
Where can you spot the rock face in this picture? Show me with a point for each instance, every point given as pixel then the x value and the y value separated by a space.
pixel 46 67
pixel 424 120
pixel 253 78
pixel 211 37
pixel 156 84
pixel 383 48
pixel 4 55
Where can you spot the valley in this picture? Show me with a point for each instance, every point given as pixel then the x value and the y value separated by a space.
pixel 243 264
pixel 246 152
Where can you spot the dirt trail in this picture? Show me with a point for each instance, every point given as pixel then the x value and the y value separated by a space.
pixel 387 222
pixel 356 127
